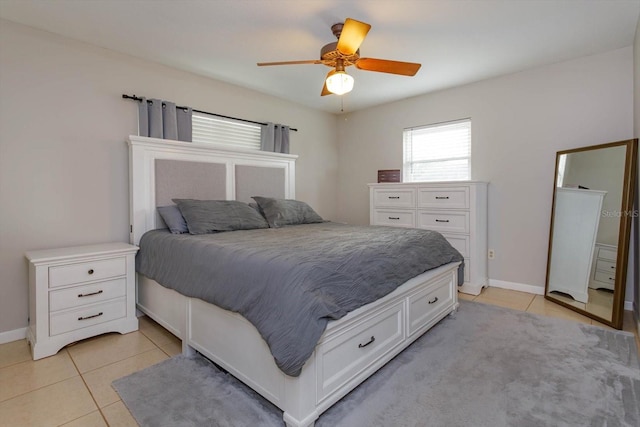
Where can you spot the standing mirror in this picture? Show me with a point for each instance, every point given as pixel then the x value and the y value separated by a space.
pixel 590 228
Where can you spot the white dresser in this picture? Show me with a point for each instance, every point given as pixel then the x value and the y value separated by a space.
pixel 457 209
pixel 79 292
pixel 575 226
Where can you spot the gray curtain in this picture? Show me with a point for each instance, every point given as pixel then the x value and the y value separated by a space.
pixel 161 119
pixel 275 137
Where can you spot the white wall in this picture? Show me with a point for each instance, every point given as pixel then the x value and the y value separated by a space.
pixel 519 121
pixel 63 159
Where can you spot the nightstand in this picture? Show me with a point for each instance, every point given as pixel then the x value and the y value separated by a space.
pixel 80 292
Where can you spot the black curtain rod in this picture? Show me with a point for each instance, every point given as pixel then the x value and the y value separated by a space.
pixel 135 98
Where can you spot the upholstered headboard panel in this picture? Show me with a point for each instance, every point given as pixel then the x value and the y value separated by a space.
pixel 176 178
pixel 160 170
pixel 259 181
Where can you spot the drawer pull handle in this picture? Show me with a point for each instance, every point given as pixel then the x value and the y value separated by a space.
pixel 90 317
pixel 90 271
pixel 89 294
pixel 442 220
pixel 435 300
pixel 394 217
pixel 367 343
pixel 613 266
pixel 394 197
pixel 442 197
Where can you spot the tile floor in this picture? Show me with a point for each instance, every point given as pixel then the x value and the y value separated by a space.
pixel 73 388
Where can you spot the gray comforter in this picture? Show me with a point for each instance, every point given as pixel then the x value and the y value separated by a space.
pixel 289 282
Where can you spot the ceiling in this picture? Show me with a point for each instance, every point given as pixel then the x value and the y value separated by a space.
pixel 457 42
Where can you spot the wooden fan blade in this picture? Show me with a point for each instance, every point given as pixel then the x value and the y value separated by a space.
pixel 325 91
pixel 311 61
pixel 386 66
pixel 352 35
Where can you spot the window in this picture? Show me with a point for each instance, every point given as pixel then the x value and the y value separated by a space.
pixel 439 152
pixel 209 129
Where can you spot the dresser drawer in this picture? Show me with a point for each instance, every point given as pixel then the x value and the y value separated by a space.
pixel 66 321
pixel 346 355
pixel 427 304
pixel 606 266
pixel 447 198
pixel 397 218
pixel 87 271
pixel 452 222
pixel 394 197
pixel 606 277
pixel 87 294
pixel 459 242
pixel 606 253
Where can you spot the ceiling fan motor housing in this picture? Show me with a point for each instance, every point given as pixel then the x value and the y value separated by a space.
pixel 331 53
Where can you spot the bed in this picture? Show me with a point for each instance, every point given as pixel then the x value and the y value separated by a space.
pixel 349 349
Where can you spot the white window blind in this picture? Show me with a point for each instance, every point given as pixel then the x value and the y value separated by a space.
pixel 439 152
pixel 209 129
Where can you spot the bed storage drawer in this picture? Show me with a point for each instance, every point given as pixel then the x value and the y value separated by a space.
pixel 444 198
pixel 87 271
pixel 70 320
pixel 394 197
pixel 396 218
pixel 427 303
pixel 344 355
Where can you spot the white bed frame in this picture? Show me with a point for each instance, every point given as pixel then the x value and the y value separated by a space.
pixel 350 350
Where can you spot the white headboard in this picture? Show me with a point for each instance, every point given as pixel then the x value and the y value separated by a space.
pixel 244 173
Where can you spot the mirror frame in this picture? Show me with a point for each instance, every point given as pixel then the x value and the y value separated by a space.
pixel 624 234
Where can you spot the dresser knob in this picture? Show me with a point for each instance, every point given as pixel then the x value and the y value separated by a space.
pixel 90 271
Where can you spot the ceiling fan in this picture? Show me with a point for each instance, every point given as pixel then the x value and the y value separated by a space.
pixel 346 52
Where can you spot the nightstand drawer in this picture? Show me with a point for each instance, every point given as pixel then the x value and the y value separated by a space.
pixel 87 294
pixel 397 218
pixel 446 198
pixel 605 277
pixel 394 198
pixel 65 321
pixel 87 271
pixel 605 265
pixel 606 253
pixel 451 222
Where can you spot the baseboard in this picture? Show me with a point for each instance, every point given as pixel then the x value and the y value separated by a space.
pixel 537 290
pixel 522 287
pixel 15 335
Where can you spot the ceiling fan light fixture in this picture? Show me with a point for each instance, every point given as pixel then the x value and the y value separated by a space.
pixel 339 83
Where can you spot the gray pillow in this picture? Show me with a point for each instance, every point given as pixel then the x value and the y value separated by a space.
pixel 173 218
pixel 281 212
pixel 210 216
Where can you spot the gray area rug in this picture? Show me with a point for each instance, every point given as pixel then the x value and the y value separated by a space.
pixel 481 366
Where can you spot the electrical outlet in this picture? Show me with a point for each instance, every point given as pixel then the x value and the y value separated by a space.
pixel 492 254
